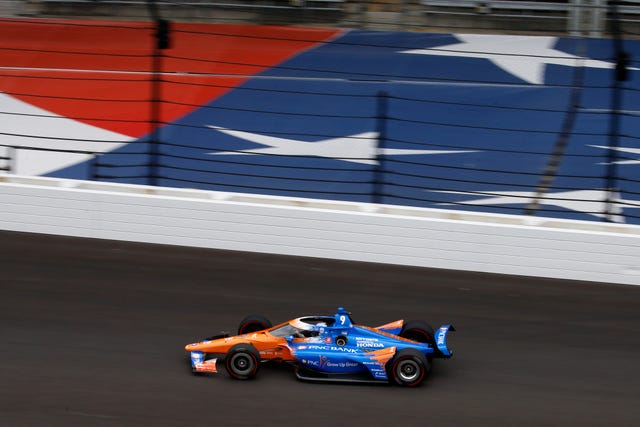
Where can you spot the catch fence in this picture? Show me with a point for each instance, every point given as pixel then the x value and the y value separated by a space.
pixel 384 116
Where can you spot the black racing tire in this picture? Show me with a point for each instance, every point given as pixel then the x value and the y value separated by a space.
pixel 418 330
pixel 253 323
pixel 242 361
pixel 408 368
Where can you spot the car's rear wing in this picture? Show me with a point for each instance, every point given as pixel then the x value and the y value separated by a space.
pixel 441 341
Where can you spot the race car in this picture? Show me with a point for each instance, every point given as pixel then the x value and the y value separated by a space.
pixel 326 348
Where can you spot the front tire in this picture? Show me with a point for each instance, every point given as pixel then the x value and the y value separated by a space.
pixel 408 368
pixel 242 361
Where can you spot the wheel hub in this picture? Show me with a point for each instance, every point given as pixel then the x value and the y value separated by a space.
pixel 408 370
pixel 241 363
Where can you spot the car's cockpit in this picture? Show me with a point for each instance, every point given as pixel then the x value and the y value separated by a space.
pixel 304 327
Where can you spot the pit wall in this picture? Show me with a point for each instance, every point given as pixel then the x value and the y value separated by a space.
pixel 422 237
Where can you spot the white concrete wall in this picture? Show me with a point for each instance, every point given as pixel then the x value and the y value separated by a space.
pixel 341 230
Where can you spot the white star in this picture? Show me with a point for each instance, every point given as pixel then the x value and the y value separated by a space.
pixel 522 56
pixel 360 148
pixel 624 150
pixel 590 202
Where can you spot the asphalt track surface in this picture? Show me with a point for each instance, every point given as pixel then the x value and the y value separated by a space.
pixel 93 335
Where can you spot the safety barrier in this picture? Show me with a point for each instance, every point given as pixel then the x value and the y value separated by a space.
pixel 328 114
pixel 542 247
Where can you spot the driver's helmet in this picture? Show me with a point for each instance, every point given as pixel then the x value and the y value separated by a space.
pixel 310 329
pixel 318 328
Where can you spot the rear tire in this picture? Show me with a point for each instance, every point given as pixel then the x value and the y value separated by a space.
pixel 242 361
pixel 408 368
pixel 253 323
pixel 418 330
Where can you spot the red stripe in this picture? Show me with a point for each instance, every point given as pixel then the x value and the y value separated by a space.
pixel 221 49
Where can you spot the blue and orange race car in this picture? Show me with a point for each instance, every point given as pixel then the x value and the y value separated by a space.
pixel 326 348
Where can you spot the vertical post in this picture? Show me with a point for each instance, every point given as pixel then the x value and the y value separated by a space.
pixel 161 42
pixel 403 15
pixel 12 159
pixel 154 135
pixel 381 125
pixel 586 17
pixel 363 12
pixel 620 75
pixel 598 18
pixel 93 167
pixel 574 18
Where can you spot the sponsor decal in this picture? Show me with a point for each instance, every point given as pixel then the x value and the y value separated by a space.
pixel 271 350
pixel 314 363
pixel 323 361
pixel 332 348
pixel 342 365
pixel 441 336
pixel 318 347
pixel 207 366
pixel 370 344
pixel 375 366
pixel 379 374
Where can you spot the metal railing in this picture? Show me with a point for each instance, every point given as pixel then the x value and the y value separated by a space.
pixel 574 17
